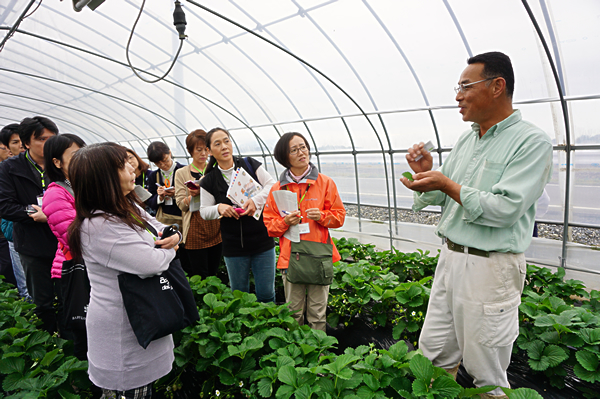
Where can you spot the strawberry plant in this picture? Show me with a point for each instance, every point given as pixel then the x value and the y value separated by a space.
pixel 34 363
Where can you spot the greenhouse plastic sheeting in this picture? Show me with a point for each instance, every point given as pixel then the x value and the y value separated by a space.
pixel 362 79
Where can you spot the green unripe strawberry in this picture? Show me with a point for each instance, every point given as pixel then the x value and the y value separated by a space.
pixel 408 175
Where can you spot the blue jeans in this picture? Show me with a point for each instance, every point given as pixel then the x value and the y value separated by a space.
pixel 18 271
pixel 263 269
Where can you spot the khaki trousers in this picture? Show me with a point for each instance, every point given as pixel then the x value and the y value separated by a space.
pixel 473 314
pixel 309 297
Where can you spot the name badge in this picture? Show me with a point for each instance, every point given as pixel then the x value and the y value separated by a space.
pixel 40 199
pixel 304 228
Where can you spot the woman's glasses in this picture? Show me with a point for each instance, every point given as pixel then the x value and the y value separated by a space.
pixel 295 150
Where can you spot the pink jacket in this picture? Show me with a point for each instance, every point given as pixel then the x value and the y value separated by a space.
pixel 59 208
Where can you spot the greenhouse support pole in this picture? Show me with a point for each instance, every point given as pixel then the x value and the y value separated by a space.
pixel 16 24
pixel 563 103
pixel 315 146
pixel 354 152
pixel 391 152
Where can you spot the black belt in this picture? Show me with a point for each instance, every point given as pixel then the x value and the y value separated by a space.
pixel 461 248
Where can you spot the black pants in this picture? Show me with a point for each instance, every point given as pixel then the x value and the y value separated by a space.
pixel 182 255
pixel 6 268
pixel 43 289
pixel 204 262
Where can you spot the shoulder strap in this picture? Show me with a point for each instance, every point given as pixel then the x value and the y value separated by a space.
pixel 66 187
pixel 67 254
pixel 251 169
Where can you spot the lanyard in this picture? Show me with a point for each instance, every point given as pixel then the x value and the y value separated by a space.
pixel 144 179
pixel 41 172
pixel 303 195
pixel 201 172
pixel 167 178
pixel 143 224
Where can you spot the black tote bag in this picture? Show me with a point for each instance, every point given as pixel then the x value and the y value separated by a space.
pixel 159 305
pixel 75 286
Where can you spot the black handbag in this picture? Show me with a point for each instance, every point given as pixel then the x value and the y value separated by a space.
pixel 159 305
pixel 75 287
pixel 311 263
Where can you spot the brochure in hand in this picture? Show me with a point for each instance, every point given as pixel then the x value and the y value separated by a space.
pixel 242 188
pixel 142 193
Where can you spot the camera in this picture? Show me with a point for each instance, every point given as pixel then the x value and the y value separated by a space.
pixel 168 232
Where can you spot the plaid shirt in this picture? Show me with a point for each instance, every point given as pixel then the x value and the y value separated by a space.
pixel 203 233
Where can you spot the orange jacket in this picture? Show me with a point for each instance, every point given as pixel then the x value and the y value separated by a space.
pixel 322 194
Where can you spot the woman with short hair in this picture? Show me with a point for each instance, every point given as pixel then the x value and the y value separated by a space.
pixel 202 238
pixel 320 208
pixel 114 235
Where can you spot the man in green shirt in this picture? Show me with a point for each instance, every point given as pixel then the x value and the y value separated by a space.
pixel 488 186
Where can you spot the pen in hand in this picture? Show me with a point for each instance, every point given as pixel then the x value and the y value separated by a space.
pixel 289 213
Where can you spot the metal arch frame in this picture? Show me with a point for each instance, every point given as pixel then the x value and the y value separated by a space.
pixel 303 65
pixel 98 55
pixel 421 89
pixel 261 27
pixel 387 183
pixel 114 97
pixel 458 27
pixel 55 81
pixel 112 41
pixel 70 108
pixel 568 134
pixel 14 85
pixel 8 9
pixel 264 27
pixel 52 117
pixel 159 48
pixel 303 13
pixel 127 101
pixel 28 66
pixel 51 108
pixel 16 24
pixel 559 67
pixel 45 84
pixel 83 88
pixel 90 123
pixel 259 140
pixel 184 66
pixel 328 79
pixel 309 70
pixel 260 68
pixel 568 147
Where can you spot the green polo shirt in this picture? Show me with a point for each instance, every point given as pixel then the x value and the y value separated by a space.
pixel 502 176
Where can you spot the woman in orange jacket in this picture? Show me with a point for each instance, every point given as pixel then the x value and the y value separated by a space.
pixel 319 209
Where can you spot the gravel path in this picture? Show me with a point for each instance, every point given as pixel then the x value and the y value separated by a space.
pixel 551 231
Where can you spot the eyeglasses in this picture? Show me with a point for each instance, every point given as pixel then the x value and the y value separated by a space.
pixel 461 87
pixel 165 161
pixel 295 150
